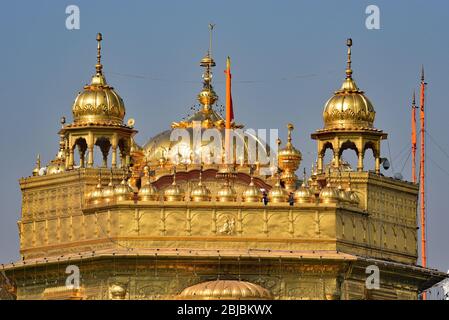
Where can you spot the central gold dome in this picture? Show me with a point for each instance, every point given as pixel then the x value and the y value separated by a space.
pixel 98 103
pixel 348 108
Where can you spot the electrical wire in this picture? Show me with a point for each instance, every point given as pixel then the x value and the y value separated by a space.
pixel 438 146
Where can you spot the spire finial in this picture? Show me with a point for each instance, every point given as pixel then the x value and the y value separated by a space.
pixel 328 176
pixel 99 66
pixel 207 96
pixel 290 128
pixel 211 28
pixel 304 178
pixel 348 67
pixel 200 182
pixel 99 179
pixel 174 175
pixel 37 168
pixel 111 178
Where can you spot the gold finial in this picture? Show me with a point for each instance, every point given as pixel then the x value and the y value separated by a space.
pixel 200 183
pixel 207 96
pixel 37 168
pixel 348 67
pixel 278 142
pixel 211 28
pixel 304 178
pixel 99 66
pixel 99 180
pixel 328 176
pixel 290 128
pixel 174 175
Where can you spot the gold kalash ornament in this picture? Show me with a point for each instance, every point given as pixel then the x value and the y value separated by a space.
pixel 289 160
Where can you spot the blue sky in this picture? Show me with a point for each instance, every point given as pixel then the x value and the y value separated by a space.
pixel 287 57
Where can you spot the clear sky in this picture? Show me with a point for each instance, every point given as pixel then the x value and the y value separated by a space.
pixel 287 59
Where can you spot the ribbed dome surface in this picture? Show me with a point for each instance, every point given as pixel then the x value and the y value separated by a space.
pixel 225 289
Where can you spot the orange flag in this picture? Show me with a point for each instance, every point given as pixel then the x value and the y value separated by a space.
pixel 229 107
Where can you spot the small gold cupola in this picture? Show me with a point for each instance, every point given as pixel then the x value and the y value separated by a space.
pixel 200 192
pixel 353 197
pixel 96 196
pixel 348 107
pixel 348 124
pixel 329 194
pixel 278 194
pixel 174 192
pixel 289 159
pixel 252 193
pixel 109 191
pixel 304 194
pixel 124 191
pixel 98 103
pixel 148 192
pixel 227 192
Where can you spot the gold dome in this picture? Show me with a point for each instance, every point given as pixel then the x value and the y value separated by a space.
pixel 303 194
pixel 329 194
pixel 349 108
pixel 98 103
pixel 289 157
pixel 252 193
pixel 109 191
pixel 200 192
pixel 343 195
pixel 124 191
pixel 226 193
pixel 96 196
pixel 174 192
pixel 277 193
pixel 148 192
pixel 353 197
pixel 225 289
